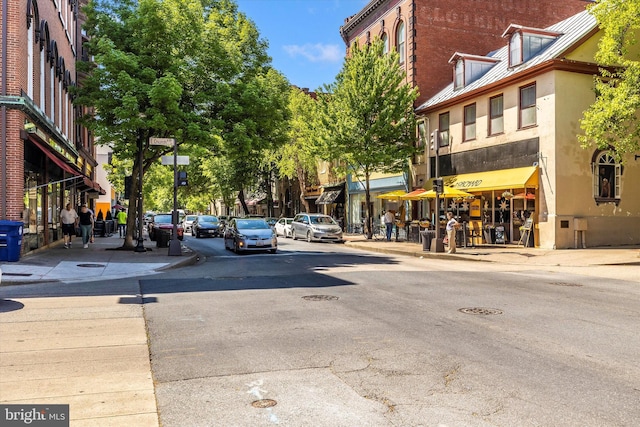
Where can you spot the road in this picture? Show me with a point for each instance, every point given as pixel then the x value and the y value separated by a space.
pixel 324 335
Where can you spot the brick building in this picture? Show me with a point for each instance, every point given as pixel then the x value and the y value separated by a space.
pixel 426 33
pixel 47 157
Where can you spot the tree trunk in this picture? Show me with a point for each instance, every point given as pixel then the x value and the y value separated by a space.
pixel 303 188
pixel 270 210
pixel 369 207
pixel 132 215
pixel 242 202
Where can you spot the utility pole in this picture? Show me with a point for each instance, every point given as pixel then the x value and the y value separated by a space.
pixel 436 244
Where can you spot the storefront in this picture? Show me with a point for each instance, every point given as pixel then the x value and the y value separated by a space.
pixel 332 201
pixel 504 199
pixel 356 198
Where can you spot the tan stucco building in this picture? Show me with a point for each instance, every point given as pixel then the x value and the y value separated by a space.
pixel 507 129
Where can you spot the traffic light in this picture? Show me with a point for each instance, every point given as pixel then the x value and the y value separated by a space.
pixel 438 185
pixel 433 140
pixel 182 179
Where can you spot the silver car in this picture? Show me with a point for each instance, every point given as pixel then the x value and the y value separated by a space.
pixel 283 227
pixel 315 227
pixel 250 234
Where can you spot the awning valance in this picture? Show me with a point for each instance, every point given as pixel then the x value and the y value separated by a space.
pixel 501 179
pixel 59 162
pixel 330 196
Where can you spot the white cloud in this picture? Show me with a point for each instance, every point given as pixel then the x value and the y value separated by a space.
pixel 316 52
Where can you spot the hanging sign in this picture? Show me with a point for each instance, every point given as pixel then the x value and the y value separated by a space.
pixel 181 160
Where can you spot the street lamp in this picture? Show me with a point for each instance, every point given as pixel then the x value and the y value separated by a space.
pixel 436 244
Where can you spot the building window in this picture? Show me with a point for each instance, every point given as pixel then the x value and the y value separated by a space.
pixel 459 74
pixel 385 42
pixel 469 122
pixel 401 42
pixel 443 126
pixel 496 110
pixel 606 177
pixel 524 46
pixel 528 106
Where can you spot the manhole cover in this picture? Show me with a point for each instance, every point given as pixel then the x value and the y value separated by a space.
pixel 320 298
pixel 565 284
pixel 91 265
pixel 480 310
pixel 264 403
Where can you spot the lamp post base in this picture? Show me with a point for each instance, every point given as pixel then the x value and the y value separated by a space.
pixel 437 245
pixel 140 246
pixel 175 249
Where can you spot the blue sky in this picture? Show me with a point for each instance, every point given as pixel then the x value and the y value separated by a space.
pixel 303 35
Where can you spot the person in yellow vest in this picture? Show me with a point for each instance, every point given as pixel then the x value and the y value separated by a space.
pixel 121 217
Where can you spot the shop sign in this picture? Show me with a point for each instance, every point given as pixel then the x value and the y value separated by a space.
pixel 468 184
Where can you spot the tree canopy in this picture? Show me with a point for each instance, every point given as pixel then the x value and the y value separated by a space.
pixel 368 113
pixel 613 120
pixel 193 70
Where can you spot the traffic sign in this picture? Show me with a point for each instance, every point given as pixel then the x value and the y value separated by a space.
pixel 181 160
pixel 168 142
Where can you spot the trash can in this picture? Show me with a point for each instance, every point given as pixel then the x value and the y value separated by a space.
pixel 427 236
pixel 10 240
pixel 162 240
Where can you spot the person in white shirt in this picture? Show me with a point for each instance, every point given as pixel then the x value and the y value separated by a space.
pixel 68 220
pixel 389 220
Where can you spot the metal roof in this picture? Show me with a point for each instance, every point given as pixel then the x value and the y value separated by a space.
pixel 572 31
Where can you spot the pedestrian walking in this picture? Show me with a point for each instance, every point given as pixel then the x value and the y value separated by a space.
pixel 68 220
pixel 389 219
pixel 452 226
pixel 86 225
pixel 121 217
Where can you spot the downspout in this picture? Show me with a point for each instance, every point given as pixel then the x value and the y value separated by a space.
pixel 3 114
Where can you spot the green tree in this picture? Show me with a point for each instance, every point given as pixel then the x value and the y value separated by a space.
pixel 165 68
pixel 369 118
pixel 298 158
pixel 612 120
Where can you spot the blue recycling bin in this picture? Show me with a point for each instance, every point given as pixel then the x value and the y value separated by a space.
pixel 10 240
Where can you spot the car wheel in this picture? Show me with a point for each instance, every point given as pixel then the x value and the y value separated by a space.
pixel 309 237
pixel 273 251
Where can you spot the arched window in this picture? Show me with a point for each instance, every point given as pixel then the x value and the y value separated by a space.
pixel 606 177
pixel 385 41
pixel 400 42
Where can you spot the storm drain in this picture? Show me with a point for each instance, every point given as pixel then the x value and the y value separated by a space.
pixel 264 403
pixel 320 298
pixel 92 265
pixel 480 310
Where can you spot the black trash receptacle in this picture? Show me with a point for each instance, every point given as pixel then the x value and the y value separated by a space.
pixel 427 236
pixel 10 240
pixel 162 239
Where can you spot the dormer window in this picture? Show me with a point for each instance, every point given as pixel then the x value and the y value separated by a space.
pixel 525 43
pixel 469 68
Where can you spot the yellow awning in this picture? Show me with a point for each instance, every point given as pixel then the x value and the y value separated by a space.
pixel 502 179
pixel 392 195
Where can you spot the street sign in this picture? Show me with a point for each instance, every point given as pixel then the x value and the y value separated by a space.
pixel 168 142
pixel 168 160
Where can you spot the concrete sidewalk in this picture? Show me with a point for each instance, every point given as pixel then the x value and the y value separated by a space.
pixel 76 344
pixel 507 254
pixel 102 260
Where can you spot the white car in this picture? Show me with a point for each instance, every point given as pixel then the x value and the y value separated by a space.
pixel 315 228
pixel 187 222
pixel 283 227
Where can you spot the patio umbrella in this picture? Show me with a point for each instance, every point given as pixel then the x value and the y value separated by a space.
pixel 391 195
pixel 447 193
pixel 414 195
pixel 118 207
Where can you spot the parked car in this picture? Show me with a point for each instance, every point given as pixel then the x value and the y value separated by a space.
pixel 250 234
pixel 315 227
pixel 163 223
pixel 271 221
pixel 188 222
pixel 283 227
pixel 147 218
pixel 206 225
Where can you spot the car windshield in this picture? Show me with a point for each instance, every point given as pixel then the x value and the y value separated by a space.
pixel 207 218
pixel 162 219
pixel 322 220
pixel 190 218
pixel 252 224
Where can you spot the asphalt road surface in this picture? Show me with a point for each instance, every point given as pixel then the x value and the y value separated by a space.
pixel 323 335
